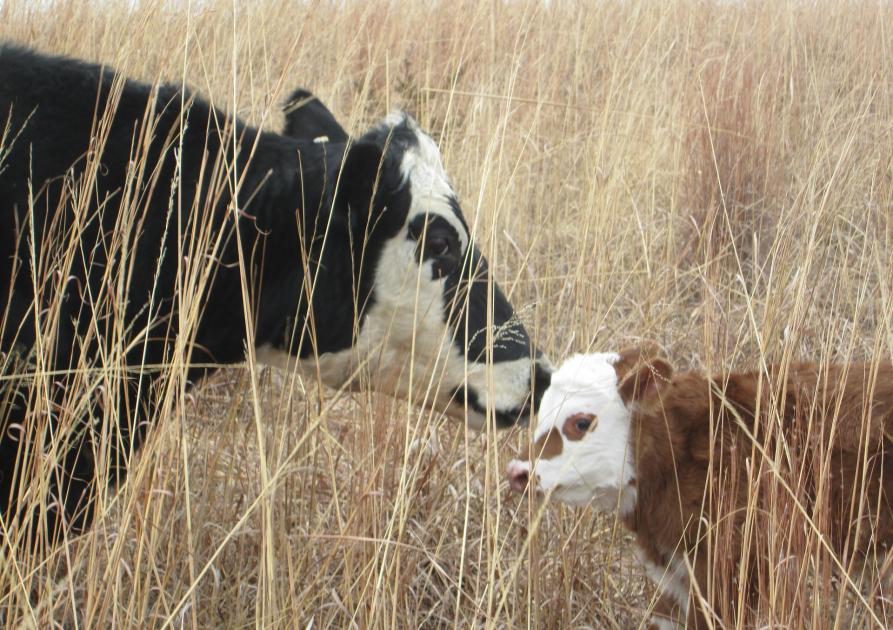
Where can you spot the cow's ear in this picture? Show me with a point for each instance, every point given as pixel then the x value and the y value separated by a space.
pixel 307 119
pixel 634 356
pixel 644 379
pixel 363 174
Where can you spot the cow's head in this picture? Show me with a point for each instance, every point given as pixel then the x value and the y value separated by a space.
pixel 428 320
pixel 581 447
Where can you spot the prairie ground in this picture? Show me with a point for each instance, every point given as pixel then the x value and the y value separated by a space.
pixel 715 176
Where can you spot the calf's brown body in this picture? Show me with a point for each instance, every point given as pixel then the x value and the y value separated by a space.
pixel 741 469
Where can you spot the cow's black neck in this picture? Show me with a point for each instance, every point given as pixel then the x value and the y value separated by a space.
pixel 308 269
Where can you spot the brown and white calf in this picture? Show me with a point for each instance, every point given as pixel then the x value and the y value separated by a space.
pixel 675 454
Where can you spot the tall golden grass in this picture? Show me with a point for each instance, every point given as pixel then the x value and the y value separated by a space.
pixel 714 176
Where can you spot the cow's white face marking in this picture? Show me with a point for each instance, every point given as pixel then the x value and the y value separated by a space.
pixel 404 346
pixel 598 465
pixel 430 186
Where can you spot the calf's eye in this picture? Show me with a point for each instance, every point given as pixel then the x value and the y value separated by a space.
pixel 578 425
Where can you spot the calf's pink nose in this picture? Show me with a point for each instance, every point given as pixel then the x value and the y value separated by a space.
pixel 519 475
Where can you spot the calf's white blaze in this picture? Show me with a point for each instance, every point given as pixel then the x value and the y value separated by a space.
pixel 598 466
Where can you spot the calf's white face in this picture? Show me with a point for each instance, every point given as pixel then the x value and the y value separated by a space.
pixel 581 450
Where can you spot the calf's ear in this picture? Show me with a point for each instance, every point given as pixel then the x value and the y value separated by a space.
pixel 634 356
pixel 644 379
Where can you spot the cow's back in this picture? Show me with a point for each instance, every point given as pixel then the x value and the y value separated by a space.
pixel 91 151
pixel 96 181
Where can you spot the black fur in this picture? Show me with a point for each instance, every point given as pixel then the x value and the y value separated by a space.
pixel 50 105
pixel 307 118
pixel 91 159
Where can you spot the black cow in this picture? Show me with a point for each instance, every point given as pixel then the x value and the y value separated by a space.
pixel 139 225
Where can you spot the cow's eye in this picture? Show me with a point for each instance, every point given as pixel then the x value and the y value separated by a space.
pixel 578 425
pixel 438 246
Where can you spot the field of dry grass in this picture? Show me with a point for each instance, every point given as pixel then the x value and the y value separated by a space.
pixel 715 176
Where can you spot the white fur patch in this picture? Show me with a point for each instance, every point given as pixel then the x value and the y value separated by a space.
pixel 662 623
pixel 429 184
pixel 671 581
pixel 599 466
pixel 402 334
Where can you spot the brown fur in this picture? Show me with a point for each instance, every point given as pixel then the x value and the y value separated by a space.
pixel 572 426
pixel 547 446
pixel 694 439
pixel 635 356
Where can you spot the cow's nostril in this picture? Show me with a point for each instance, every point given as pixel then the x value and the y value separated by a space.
pixel 519 481
pixel 519 477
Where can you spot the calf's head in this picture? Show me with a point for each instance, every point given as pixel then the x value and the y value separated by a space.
pixel 424 317
pixel 581 447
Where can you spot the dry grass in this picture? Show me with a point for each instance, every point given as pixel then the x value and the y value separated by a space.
pixel 714 176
